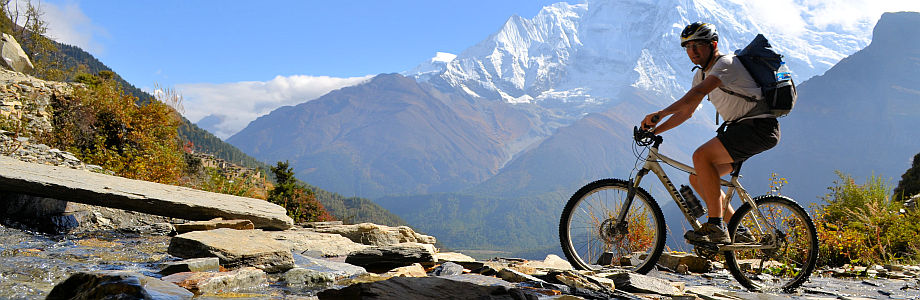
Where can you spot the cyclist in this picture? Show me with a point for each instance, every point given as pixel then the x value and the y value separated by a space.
pixel 748 129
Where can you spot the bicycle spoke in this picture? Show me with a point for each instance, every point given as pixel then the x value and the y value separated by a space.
pixel 594 230
pixel 786 266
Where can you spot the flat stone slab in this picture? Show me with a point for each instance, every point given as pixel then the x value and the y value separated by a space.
pixel 135 195
pixel 234 248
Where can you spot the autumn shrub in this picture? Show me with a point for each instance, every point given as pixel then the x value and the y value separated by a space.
pixel 103 125
pixel 300 202
pixel 860 224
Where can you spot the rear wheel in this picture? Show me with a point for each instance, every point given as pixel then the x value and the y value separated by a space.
pixel 591 238
pixel 788 264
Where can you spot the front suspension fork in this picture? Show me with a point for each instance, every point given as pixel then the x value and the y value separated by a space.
pixel 620 223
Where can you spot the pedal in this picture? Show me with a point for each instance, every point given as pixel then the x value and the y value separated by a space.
pixel 705 247
pixel 705 253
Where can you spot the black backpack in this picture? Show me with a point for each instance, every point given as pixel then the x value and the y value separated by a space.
pixel 763 63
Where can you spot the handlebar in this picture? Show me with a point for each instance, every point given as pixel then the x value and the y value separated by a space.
pixel 645 137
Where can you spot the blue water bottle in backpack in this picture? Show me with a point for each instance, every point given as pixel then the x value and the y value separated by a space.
pixel 783 73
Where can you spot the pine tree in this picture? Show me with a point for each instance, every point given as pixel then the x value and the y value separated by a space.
pixel 299 201
pixel 910 181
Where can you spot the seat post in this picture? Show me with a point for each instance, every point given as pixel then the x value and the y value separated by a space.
pixel 736 168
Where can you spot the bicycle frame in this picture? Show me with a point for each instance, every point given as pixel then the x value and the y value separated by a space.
pixel 652 164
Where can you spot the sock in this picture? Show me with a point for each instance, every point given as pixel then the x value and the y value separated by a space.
pixel 715 221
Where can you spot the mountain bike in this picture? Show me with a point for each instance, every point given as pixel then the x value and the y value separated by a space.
pixel 615 223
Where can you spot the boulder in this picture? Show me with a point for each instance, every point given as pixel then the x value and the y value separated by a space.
pixel 447 269
pixel 302 240
pixel 234 248
pixel 696 264
pixel 116 285
pixel 409 288
pixel 336 269
pixel 384 258
pixel 243 279
pixel 11 55
pixel 214 224
pixel 208 264
pixel 376 235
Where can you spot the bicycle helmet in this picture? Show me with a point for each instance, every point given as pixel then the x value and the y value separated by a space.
pixel 698 31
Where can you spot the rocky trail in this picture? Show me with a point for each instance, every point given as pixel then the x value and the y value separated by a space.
pixel 228 259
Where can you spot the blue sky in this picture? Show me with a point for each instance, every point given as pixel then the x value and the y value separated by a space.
pixel 175 42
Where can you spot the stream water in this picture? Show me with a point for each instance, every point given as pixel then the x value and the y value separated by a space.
pixel 32 263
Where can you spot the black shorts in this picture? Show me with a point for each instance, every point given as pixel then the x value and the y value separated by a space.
pixel 745 138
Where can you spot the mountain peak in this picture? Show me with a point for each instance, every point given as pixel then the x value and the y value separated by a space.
pixel 898 31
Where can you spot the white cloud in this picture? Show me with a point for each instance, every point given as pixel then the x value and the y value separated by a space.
pixel 793 17
pixel 69 25
pixel 239 103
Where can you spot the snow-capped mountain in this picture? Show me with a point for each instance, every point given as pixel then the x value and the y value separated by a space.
pixel 433 67
pixel 583 55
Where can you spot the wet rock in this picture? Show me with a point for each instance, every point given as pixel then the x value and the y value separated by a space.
pixel 301 240
pixel 244 279
pixel 208 264
pixel 447 269
pixel 234 248
pixel 409 288
pixel 638 283
pixel 711 293
pixel 116 285
pixel 381 259
pixel 307 277
pixel 363 278
pixel 336 269
pixel 214 224
pixel 373 234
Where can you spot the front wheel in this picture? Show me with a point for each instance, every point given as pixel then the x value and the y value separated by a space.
pixel 794 245
pixel 592 238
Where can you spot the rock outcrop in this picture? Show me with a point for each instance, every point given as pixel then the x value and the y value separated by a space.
pixel 11 55
pixel 153 198
pixel 373 234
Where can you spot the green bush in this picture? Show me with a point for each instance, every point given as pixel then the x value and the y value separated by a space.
pixel 860 224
